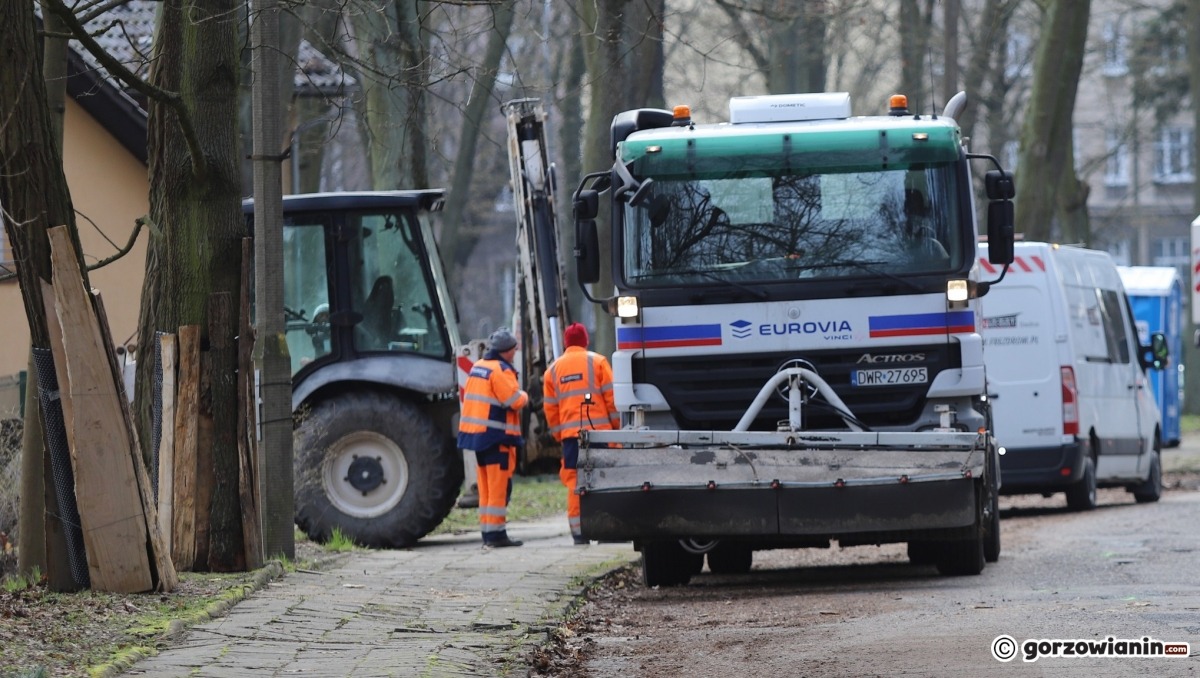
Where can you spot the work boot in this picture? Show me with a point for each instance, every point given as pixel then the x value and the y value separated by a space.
pixel 580 541
pixel 500 543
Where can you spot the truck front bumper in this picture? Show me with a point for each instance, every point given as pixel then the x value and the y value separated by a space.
pixel 861 486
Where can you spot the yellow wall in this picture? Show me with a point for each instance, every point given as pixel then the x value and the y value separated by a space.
pixel 108 187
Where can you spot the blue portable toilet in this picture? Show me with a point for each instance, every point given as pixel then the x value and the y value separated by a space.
pixel 1156 295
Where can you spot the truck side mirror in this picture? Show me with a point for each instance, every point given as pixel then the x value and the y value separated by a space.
pixel 587 239
pixel 1000 185
pixel 1000 232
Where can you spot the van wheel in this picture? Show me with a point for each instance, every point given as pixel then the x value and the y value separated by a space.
pixel 1082 495
pixel 1151 489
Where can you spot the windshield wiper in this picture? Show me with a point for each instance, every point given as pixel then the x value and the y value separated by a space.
pixel 757 293
pixel 868 266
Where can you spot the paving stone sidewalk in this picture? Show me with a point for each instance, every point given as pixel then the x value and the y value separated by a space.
pixel 446 607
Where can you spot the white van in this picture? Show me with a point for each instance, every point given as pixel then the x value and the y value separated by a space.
pixel 1071 403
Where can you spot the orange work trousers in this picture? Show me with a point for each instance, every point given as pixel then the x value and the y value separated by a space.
pixel 569 475
pixel 496 468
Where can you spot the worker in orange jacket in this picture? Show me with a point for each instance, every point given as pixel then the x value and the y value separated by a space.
pixel 490 425
pixel 577 394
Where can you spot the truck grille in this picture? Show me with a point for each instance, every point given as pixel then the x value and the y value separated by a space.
pixel 712 393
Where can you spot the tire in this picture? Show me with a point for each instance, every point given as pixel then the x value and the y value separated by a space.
pixel 375 467
pixel 1150 490
pixel 1081 496
pixel 730 559
pixel 991 516
pixel 922 552
pixel 666 563
pixel 966 557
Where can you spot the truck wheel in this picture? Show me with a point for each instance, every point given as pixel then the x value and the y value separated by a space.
pixel 1151 489
pixel 961 556
pixel 666 563
pixel 991 516
pixel 375 467
pixel 730 559
pixel 922 552
pixel 1082 495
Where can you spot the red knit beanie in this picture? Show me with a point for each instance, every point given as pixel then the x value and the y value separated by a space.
pixel 576 335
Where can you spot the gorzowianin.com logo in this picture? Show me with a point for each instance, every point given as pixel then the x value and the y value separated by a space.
pixel 1005 648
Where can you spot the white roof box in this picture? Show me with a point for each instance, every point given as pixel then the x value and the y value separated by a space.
pixel 790 107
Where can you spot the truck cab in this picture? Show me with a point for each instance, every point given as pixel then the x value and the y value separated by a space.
pixel 791 271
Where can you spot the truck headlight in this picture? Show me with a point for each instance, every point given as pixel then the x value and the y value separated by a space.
pixel 956 291
pixel 627 307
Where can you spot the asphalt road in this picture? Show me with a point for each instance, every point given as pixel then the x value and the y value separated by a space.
pixel 1126 571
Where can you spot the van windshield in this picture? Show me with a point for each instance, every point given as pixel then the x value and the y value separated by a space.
pixel 780 226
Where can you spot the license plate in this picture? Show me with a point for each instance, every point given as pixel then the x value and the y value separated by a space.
pixel 896 376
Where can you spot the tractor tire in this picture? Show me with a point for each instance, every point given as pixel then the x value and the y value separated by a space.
pixel 375 467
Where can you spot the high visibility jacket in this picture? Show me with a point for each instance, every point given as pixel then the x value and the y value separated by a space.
pixel 577 373
pixel 490 408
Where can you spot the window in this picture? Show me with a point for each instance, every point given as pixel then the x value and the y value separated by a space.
pixel 7 264
pixel 1113 320
pixel 1116 164
pixel 1116 45
pixel 1173 156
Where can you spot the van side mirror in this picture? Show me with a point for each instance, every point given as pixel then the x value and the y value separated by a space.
pixel 587 238
pixel 1160 353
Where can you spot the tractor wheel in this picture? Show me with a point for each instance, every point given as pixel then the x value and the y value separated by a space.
pixel 373 466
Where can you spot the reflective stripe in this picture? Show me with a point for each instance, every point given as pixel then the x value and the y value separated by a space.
pixel 500 511
pixel 485 528
pixel 498 425
pixel 480 398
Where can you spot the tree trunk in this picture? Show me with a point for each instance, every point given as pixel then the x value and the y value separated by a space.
pixel 479 104
pixel 1046 149
pixel 607 37
pixel 195 203
pixel 796 47
pixel 395 73
pixel 34 196
pixel 915 28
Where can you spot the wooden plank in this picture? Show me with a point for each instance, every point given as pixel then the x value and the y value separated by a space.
pixel 162 572
pixel 58 564
pixel 187 417
pixel 247 450
pixel 202 487
pixel 166 442
pixel 110 508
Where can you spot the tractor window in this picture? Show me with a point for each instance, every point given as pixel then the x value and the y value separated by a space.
pixel 305 292
pixel 391 287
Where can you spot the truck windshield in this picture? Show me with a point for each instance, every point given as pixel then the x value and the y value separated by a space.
pixel 777 227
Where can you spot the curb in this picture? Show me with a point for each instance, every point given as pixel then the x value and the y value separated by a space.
pixel 130 656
